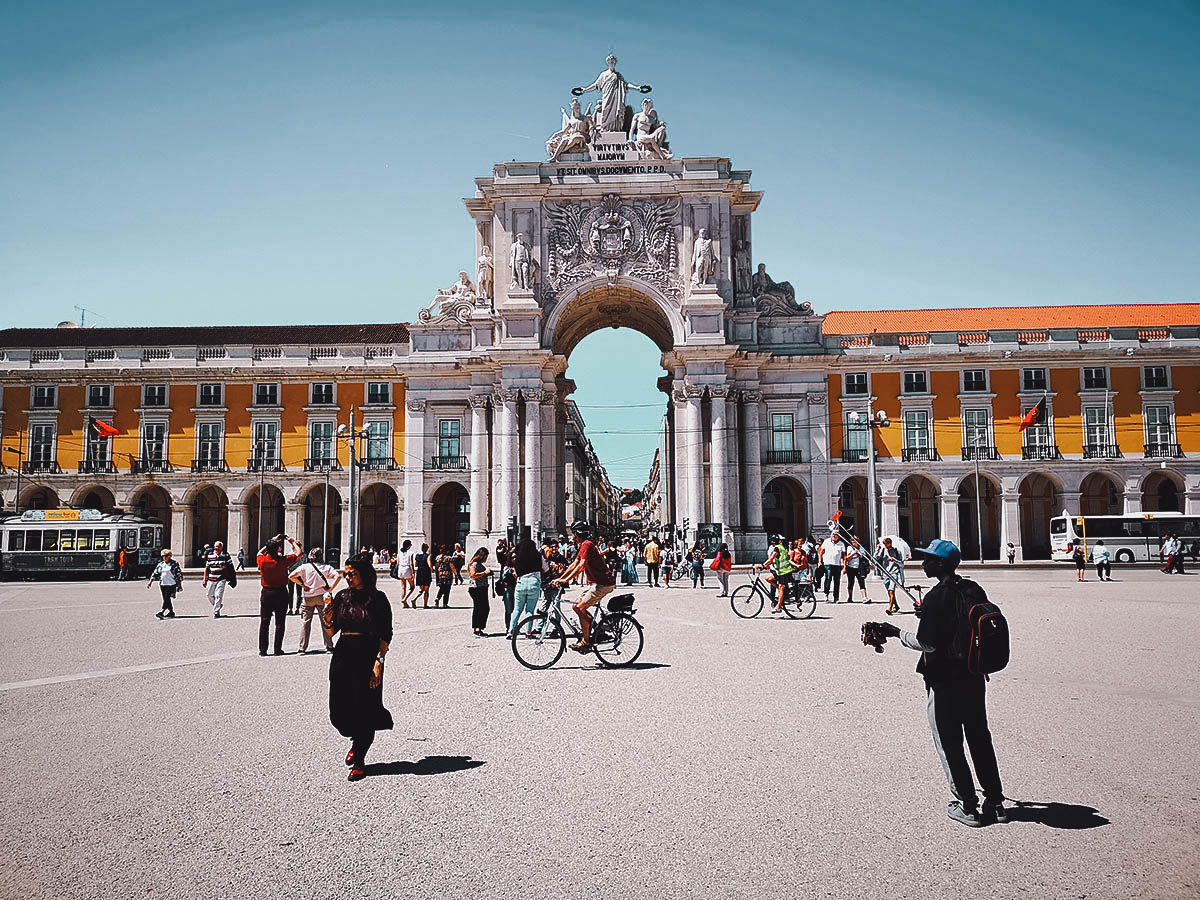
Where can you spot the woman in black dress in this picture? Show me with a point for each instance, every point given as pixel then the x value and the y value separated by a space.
pixel 362 616
pixel 424 575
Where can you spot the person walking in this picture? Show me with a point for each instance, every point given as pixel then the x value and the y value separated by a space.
pixel 833 555
pixel 1102 557
pixel 891 561
pixel 722 564
pixel 668 564
pixel 813 555
pixel 444 572
pixel 1079 558
pixel 122 565
pixel 857 566
pixel 169 576
pixel 273 568
pixel 218 572
pixel 459 560
pixel 957 702
pixel 652 553
pixel 696 561
pixel 361 616
pixel 422 577
pixel 406 571
pixel 242 559
pixel 479 573
pixel 1011 548
pixel 529 566
pixel 317 582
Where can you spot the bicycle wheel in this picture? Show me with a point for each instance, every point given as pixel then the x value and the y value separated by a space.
pixel 618 640
pixel 800 602
pixel 747 602
pixel 543 648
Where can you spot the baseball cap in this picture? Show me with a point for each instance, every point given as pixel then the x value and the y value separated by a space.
pixel 941 549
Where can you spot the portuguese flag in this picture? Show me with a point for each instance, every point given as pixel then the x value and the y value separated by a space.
pixel 98 429
pixel 1036 415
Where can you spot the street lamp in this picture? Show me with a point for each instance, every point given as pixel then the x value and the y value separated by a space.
pixel 873 420
pixel 351 436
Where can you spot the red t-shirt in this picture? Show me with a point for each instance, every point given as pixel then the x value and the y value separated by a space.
pixel 273 570
pixel 594 567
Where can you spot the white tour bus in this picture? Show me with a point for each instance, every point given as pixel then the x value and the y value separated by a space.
pixel 1130 538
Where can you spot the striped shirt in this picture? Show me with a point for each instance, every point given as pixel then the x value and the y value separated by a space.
pixel 214 565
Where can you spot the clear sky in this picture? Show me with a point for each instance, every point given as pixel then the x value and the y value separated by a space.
pixel 169 163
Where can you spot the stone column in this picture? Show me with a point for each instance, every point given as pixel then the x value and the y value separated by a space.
pixel 733 498
pixel 414 471
pixel 181 533
pixel 720 458
pixel 822 489
pixel 1010 521
pixel 291 520
pixel 479 464
pixel 950 529
pixel 753 456
pixel 890 520
pixel 1071 502
pixel 504 402
pixel 533 458
pixel 678 455
pixel 233 531
pixel 1133 501
pixel 695 456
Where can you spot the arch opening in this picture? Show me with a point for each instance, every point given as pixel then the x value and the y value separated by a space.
pixel 619 304
pixel 979 517
pixel 918 507
pixel 852 501
pixel 450 518
pixel 210 517
pixel 321 519
pixel 152 501
pixel 1100 495
pixel 378 517
pixel 1040 499
pixel 255 535
pixel 1161 492
pixel 39 497
pixel 785 508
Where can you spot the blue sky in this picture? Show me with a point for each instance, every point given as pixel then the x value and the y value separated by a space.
pixel 243 162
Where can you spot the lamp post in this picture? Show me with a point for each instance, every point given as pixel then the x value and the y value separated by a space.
pixel 259 449
pixel 325 511
pixel 352 436
pixel 978 510
pixel 874 420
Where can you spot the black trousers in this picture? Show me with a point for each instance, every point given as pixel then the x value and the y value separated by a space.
pixel 958 709
pixel 833 578
pixel 480 605
pixel 272 602
pixel 1104 570
pixel 168 594
pixel 443 593
pixel 652 574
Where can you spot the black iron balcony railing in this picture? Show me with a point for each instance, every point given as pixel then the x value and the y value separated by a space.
pixel 920 454
pixel 210 464
pixel 97 467
pixel 1040 451
pixel 1163 451
pixel 448 463
pixel 149 466
pixel 378 463
pixel 971 453
pixel 854 454
pixel 47 466
pixel 1101 451
pixel 784 456
pixel 322 464
pixel 264 464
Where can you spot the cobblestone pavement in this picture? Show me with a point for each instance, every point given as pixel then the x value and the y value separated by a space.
pixel 763 758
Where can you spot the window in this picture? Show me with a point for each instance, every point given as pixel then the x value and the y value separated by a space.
pixel 916 429
pixel 974 381
pixel 322 394
pixel 1154 378
pixel 154 395
pixel 266 395
pixel 1038 434
pixel 379 446
pixel 1095 379
pixel 856 382
pixel 99 395
pixel 45 396
pixel 98 449
pixel 154 443
pixel 16 540
pixel 975 428
pixel 1033 380
pixel 212 395
pixel 208 446
pixel 1096 432
pixel 916 383
pixel 379 392
pixel 41 445
pixel 782 431
pixel 856 437
pixel 1158 426
pixel 320 439
pixel 266 442
pixel 448 439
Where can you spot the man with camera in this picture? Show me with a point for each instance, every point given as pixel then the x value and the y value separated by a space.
pixel 957 704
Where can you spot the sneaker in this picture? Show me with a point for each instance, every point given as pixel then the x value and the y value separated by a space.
pixel 171 614
pixel 994 811
pixel 959 813
pixel 216 615
pixel 160 615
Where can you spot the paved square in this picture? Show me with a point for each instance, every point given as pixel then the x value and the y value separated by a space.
pixel 759 758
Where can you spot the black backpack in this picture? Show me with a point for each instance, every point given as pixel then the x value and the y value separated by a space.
pixel 980 642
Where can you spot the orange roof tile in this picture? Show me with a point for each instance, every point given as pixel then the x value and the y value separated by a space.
pixel 1005 318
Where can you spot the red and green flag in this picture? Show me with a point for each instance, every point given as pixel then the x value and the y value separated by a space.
pixel 1035 416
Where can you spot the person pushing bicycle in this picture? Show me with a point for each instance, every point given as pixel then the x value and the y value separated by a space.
pixel 780 564
pixel 589 562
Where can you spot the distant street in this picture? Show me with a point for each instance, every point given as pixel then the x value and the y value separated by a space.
pixel 740 758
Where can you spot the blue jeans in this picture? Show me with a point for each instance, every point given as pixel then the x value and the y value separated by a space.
pixel 529 588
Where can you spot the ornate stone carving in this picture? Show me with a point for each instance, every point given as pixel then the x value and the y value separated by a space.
pixel 505 395
pixel 613 238
pixel 575 134
pixel 484 272
pixel 720 391
pixel 522 265
pixel 535 395
pixel 678 396
pixel 692 391
pixel 478 401
pixel 816 397
pixel 704 258
pixel 416 404
pixel 452 305
pixel 776 298
pixel 741 269
pixel 649 134
pixel 612 86
pixel 752 396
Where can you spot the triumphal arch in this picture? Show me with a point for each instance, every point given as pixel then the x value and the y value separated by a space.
pixel 613 228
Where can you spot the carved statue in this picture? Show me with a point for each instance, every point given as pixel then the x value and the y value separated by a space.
pixel 451 305
pixel 461 289
pixel 522 265
pixel 704 258
pixel 741 268
pixel 610 111
pixel 649 134
pixel 776 297
pixel 484 272
pixel 575 134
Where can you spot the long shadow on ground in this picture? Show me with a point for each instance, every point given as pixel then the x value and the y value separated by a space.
pixel 1070 816
pixel 430 765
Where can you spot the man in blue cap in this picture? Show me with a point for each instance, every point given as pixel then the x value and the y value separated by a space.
pixel 957 704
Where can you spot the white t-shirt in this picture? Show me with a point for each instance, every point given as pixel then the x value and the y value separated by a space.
pixel 314 584
pixel 167 579
pixel 404 564
pixel 833 553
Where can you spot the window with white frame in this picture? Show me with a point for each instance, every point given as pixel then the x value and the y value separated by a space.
pixel 783 431
pixel 208 443
pixel 1096 430
pixel 320 440
pixel 1160 432
pixel 266 442
pixel 856 382
pixel 379 392
pixel 916 383
pixel 99 396
pixel 974 381
pixel 448 439
pixel 212 394
pixel 322 393
pixel 857 437
pixel 1034 380
pixel 916 429
pixel 379 441
pixel 154 443
pixel 1095 379
pixel 977 428
pixel 41 445
pixel 98 449
pixel 154 395
pixel 45 396
pixel 1038 434
pixel 266 394
pixel 1155 378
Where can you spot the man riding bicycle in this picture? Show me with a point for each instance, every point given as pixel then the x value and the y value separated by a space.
pixel 780 565
pixel 600 581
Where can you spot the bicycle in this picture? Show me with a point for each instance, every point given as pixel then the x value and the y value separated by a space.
pixel 616 636
pixel 799 601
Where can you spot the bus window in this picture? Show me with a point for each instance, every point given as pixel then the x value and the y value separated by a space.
pixel 1058 525
pixel 66 539
pixel 49 540
pixel 83 539
pixel 129 538
pixel 148 538
pixel 16 540
pixel 100 540
pixel 1105 527
pixel 1133 528
pixel 1189 526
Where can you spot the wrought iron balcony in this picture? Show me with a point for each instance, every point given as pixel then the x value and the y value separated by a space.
pixel 210 464
pixel 855 454
pixel 971 453
pixel 149 466
pixel 378 463
pixel 1040 451
pixel 920 454
pixel 1101 451
pixel 783 456
pixel 43 466
pixel 322 464
pixel 1163 451
pixel 448 463
pixel 97 467
pixel 264 464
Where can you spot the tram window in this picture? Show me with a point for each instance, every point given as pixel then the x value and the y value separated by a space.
pixel 148 538
pixel 158 541
pixel 16 540
pixel 66 539
pixel 49 539
pixel 129 538
pixel 33 540
pixel 83 539
pixel 100 540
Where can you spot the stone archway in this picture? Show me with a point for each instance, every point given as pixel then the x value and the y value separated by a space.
pixel 1040 499
pixel 979 512
pixel 255 535
pixel 1162 491
pixel 39 497
pixel 151 501
pixel 94 496
pixel 918 510
pixel 450 515
pixel 785 508
pixel 210 517
pixel 852 502
pixel 1100 494
pixel 321 519
pixel 621 303
pixel 378 517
